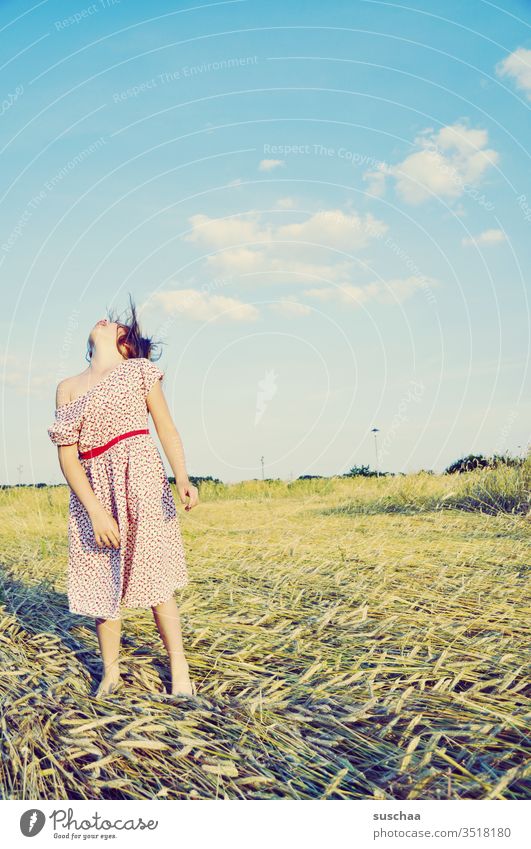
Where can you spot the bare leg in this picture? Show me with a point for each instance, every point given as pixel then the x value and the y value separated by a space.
pixel 168 622
pixel 108 631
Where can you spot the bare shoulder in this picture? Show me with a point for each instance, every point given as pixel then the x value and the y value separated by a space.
pixel 63 392
pixel 68 388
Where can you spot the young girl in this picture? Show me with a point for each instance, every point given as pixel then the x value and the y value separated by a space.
pixel 125 544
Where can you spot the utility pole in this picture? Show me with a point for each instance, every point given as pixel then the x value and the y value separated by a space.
pixel 375 430
pixel 262 462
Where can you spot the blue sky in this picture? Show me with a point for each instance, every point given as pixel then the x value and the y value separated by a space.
pixel 322 210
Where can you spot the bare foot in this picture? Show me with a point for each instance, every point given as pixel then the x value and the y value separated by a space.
pixel 180 681
pixel 108 684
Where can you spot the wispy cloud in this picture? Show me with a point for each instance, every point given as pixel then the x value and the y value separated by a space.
pixel 229 231
pixel 336 229
pixel 449 160
pixel 270 164
pixel 286 203
pixel 309 251
pixel 487 237
pixel 290 307
pixel 383 291
pixel 203 306
pixel 376 179
pixel 517 66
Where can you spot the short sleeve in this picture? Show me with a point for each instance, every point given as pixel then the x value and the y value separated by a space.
pixel 150 374
pixel 67 425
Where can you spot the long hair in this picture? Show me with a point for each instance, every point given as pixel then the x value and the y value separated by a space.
pixel 129 340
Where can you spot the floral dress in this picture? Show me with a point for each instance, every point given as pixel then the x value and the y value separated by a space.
pixel 129 480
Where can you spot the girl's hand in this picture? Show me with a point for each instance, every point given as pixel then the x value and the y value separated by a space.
pixel 187 490
pixel 105 527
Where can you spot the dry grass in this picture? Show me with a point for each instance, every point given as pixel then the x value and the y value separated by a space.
pixel 340 651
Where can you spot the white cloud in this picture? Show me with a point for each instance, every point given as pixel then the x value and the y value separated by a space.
pixel 246 245
pixel 517 66
pixel 343 294
pixel 334 228
pixel 237 261
pixel 269 164
pixel 318 253
pixel 376 180
pixel 222 232
pixel 488 237
pixel 331 227
pixel 202 306
pixel 458 211
pixel 387 291
pixel 286 203
pixel 281 263
pixel 299 270
pixel 449 160
pixel 289 306
pixel 16 374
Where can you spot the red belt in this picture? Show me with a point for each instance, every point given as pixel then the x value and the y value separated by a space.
pixel 86 455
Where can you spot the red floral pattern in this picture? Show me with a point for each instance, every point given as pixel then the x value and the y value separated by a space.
pixel 130 481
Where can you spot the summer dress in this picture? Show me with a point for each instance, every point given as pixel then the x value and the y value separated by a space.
pixel 129 480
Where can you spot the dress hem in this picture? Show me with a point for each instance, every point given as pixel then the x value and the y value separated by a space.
pixel 125 606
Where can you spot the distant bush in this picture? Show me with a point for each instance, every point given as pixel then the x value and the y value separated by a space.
pixel 505 460
pixel 467 464
pixel 360 472
pixel 479 461
pixel 500 488
pixel 196 480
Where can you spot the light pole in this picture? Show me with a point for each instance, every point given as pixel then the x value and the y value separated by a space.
pixel 375 430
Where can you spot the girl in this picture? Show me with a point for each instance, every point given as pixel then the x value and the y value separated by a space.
pixel 125 544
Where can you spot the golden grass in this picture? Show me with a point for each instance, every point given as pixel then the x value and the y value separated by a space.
pixel 342 649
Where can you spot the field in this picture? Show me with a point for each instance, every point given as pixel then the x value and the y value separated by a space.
pixel 349 638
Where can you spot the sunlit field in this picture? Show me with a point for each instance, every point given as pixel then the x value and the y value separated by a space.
pixel 350 638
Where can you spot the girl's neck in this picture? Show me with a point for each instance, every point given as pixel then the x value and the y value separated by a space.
pixel 103 361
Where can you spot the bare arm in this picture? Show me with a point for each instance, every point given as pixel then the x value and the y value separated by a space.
pixel 171 443
pixel 104 525
pixel 76 477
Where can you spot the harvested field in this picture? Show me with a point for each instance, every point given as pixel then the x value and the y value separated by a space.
pixel 340 651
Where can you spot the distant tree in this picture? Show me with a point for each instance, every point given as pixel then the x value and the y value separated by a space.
pixel 197 480
pixel 467 464
pixel 309 477
pixel 359 471
pixel 504 460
